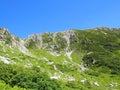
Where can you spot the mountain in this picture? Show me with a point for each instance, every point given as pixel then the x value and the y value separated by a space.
pixel 69 60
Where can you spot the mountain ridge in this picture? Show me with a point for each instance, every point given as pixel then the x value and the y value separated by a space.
pixel 75 59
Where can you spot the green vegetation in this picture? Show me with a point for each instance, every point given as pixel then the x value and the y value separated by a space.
pixel 77 60
pixel 26 78
pixel 4 86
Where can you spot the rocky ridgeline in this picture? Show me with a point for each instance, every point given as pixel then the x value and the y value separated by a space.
pixel 59 41
pixel 51 41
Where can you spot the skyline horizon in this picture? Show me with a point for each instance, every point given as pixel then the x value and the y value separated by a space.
pixel 25 17
pixel 58 30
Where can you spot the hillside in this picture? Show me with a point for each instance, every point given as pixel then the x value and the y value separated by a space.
pixel 69 60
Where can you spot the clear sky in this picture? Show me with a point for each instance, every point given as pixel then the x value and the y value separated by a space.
pixel 24 17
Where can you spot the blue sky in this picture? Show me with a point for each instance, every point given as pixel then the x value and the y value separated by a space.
pixel 24 17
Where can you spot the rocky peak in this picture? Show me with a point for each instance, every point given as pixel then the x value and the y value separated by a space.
pixel 4 31
pixel 5 36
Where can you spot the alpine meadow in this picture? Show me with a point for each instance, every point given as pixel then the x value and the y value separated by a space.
pixel 68 60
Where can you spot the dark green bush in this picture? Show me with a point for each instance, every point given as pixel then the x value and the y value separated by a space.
pixel 26 78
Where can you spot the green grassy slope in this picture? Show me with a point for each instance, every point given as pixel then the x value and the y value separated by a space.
pixel 70 60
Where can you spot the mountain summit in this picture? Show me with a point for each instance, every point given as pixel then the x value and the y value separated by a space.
pixel 69 60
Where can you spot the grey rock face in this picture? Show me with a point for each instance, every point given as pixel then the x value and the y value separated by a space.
pixel 51 41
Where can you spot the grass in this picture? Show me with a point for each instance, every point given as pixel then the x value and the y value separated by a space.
pixel 105 52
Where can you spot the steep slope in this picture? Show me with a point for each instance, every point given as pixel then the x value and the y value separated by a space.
pixel 75 59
